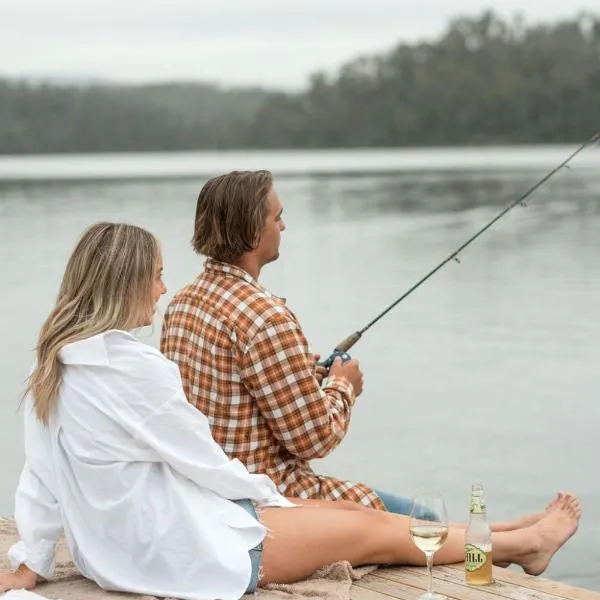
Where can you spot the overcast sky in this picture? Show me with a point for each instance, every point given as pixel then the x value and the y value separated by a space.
pixel 274 43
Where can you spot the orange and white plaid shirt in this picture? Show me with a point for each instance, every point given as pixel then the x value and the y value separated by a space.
pixel 246 364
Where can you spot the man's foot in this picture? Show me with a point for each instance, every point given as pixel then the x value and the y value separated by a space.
pixel 529 520
pixel 550 533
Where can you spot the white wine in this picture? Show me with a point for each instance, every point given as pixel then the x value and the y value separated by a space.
pixel 429 538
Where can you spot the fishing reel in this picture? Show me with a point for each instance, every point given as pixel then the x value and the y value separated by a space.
pixel 329 360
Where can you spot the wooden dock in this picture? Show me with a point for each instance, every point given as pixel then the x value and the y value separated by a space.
pixel 408 583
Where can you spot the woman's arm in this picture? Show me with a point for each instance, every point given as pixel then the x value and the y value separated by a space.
pixel 37 511
pixel 39 521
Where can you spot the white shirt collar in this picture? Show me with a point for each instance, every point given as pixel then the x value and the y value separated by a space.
pixel 90 351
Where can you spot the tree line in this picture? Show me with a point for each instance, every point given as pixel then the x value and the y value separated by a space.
pixel 484 80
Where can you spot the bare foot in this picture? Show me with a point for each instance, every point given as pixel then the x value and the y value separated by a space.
pixel 560 498
pixel 528 520
pixel 550 533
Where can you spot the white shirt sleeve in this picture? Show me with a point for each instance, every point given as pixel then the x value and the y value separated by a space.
pixel 37 512
pixel 39 522
pixel 181 435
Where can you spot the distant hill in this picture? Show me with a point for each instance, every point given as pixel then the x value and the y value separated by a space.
pixel 485 80
pixel 41 117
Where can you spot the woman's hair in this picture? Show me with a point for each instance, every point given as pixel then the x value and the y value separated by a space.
pixel 231 213
pixel 106 285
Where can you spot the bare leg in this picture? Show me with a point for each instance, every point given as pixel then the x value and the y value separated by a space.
pixel 528 520
pixel 330 504
pixel 302 540
pixel 518 523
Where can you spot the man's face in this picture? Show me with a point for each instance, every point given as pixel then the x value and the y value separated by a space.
pixel 268 245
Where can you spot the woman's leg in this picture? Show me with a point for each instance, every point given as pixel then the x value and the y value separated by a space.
pixel 331 504
pixel 302 540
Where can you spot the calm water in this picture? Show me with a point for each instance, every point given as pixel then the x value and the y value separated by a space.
pixel 489 372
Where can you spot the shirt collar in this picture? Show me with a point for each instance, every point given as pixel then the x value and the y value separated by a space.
pixel 90 351
pixel 211 265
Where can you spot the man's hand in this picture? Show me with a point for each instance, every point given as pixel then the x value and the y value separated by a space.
pixel 320 371
pixel 351 371
pixel 22 578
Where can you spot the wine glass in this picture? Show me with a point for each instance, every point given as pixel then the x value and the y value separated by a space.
pixel 429 530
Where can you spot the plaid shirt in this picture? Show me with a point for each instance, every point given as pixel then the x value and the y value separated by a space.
pixel 246 364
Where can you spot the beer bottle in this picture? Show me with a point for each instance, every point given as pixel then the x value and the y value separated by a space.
pixel 478 542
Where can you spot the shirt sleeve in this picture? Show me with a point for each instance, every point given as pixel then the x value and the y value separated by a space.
pixel 37 511
pixel 180 435
pixel 278 370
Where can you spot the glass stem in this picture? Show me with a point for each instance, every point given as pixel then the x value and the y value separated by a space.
pixel 429 574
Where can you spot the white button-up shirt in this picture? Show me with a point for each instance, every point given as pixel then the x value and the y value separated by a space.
pixel 129 470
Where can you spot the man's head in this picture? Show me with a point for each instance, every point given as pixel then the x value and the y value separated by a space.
pixel 239 213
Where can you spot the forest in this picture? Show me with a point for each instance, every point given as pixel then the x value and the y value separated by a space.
pixel 485 80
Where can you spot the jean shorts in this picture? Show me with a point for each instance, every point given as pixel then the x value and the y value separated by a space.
pixel 404 506
pixel 256 552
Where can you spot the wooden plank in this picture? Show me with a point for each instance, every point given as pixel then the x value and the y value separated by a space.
pixel 556 588
pixel 500 588
pixel 453 588
pixel 361 591
pixel 549 586
pixel 388 588
pixel 539 584
pixel 508 584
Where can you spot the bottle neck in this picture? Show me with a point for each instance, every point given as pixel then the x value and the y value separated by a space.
pixel 477 516
pixel 477 509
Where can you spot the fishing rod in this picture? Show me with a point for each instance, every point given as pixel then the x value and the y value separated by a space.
pixel 342 348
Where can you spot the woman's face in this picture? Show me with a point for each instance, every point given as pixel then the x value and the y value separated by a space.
pixel 157 289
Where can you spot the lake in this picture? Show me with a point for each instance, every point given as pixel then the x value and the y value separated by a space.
pixel 486 373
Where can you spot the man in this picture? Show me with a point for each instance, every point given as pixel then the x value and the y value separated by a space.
pixel 243 358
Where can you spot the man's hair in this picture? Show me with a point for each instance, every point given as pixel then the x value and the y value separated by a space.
pixel 231 213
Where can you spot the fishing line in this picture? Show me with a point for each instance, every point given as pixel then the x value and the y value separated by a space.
pixel 342 348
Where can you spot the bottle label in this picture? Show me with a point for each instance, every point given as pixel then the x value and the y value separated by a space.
pixel 477 506
pixel 475 558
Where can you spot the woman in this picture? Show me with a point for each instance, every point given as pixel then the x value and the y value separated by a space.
pixel 119 461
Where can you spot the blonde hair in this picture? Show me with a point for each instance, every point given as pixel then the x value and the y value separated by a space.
pixel 106 286
pixel 231 213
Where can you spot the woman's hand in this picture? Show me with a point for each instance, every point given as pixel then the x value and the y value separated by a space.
pixel 22 578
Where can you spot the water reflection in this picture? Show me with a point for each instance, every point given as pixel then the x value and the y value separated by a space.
pixel 361 197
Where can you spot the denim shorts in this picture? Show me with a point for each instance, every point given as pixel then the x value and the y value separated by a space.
pixel 256 552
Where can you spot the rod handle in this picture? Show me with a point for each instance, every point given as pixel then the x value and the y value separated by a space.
pixel 341 350
pixel 348 342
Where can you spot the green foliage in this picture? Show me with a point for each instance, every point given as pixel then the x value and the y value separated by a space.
pixel 38 118
pixel 486 80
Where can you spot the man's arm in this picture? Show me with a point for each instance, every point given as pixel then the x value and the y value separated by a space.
pixel 278 370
